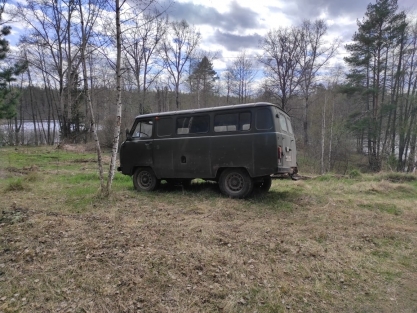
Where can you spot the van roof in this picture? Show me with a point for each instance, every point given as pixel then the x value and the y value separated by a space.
pixel 203 110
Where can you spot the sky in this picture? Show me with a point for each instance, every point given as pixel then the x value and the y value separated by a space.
pixel 230 26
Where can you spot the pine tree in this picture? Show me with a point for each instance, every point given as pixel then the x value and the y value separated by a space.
pixel 368 60
pixel 202 81
pixel 8 96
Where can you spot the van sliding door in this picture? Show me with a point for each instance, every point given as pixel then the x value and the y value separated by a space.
pixel 193 146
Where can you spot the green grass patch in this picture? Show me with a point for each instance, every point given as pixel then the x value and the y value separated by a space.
pixel 382 207
pixel 42 157
pixel 381 254
pixel 390 276
pixel 80 197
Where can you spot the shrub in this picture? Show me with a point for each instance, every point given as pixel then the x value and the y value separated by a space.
pixel 354 174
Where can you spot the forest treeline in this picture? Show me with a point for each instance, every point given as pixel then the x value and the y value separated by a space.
pixel 74 65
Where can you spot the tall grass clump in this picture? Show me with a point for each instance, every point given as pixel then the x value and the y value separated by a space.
pixel 15 185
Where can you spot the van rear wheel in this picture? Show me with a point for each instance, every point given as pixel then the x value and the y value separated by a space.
pixel 235 183
pixel 144 179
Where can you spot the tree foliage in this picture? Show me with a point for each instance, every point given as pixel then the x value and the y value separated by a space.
pixel 202 81
pixel 8 95
pixel 375 60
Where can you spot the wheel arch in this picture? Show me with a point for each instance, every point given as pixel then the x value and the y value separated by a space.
pixel 220 170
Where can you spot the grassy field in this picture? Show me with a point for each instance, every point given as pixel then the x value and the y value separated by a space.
pixel 324 244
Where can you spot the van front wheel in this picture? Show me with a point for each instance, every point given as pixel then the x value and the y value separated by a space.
pixel 235 183
pixel 144 179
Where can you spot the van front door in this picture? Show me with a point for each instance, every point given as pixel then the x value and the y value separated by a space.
pixel 137 151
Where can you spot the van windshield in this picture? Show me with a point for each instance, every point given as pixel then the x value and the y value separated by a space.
pixel 143 129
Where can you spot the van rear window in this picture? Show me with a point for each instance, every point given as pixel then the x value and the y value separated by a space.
pixel 289 126
pixel 283 123
pixel 263 119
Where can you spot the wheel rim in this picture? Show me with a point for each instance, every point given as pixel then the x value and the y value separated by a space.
pixel 145 179
pixel 235 182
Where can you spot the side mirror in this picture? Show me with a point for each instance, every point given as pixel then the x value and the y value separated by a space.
pixel 128 137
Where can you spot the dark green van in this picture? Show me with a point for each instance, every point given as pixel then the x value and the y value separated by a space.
pixel 239 146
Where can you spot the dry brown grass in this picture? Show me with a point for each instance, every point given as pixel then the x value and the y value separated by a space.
pixel 333 245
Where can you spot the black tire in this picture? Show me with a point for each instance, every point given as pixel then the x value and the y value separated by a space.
pixel 265 185
pixel 144 179
pixel 235 183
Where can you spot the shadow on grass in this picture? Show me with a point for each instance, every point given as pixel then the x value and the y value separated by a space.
pixel 277 200
pixel 197 188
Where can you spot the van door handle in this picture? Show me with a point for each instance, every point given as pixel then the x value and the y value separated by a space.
pixel 148 145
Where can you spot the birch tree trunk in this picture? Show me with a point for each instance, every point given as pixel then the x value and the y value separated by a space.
pixel 88 98
pixel 323 133
pixel 116 133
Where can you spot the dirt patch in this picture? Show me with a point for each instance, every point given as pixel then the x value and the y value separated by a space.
pixel 146 256
pixel 24 170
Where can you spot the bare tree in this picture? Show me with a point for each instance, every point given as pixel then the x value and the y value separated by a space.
pixel 243 73
pixel 140 44
pixel 88 14
pixel 141 6
pixel 281 60
pixel 178 47
pixel 228 80
pixel 315 53
pixel 48 28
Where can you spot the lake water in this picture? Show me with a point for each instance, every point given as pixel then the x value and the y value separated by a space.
pixel 27 133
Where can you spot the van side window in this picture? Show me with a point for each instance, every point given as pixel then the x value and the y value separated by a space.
pixel 182 125
pixel 193 124
pixel 283 123
pixel 232 122
pixel 225 122
pixel 263 119
pixel 244 121
pixel 143 129
pixel 164 127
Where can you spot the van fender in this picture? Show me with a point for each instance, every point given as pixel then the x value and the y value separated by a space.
pixel 134 168
pixel 221 169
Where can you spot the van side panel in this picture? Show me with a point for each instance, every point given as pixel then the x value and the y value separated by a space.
pixel 191 157
pixel 232 150
pixel 163 157
pixel 265 154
